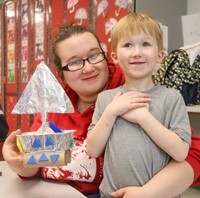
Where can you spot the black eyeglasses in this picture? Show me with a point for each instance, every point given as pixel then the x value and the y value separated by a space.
pixel 79 64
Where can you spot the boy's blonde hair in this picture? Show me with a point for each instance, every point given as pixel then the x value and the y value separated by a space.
pixel 134 23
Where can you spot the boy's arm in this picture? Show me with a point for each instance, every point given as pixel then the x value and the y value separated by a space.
pixel 98 136
pixel 171 181
pixel 166 139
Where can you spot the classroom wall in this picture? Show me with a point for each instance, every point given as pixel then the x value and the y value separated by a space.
pixel 193 6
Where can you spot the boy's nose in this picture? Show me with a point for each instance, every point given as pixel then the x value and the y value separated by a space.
pixel 136 51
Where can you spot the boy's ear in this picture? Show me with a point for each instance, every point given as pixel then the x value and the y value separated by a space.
pixel 161 55
pixel 114 57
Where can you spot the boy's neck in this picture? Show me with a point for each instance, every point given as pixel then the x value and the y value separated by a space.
pixel 139 86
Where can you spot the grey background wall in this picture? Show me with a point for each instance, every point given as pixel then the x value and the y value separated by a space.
pixel 168 13
pixel 193 6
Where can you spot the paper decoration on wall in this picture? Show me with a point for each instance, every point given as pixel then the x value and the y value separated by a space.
pixel 81 14
pixel 122 4
pixel 11 46
pixel 71 5
pixel 103 5
pixel 39 18
pixel 109 25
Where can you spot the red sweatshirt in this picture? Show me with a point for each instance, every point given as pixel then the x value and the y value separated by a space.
pixel 193 157
pixel 85 173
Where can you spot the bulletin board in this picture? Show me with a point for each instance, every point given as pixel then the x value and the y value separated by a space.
pixel 39 32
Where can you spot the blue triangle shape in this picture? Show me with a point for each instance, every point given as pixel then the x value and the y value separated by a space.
pixel 49 141
pixel 54 158
pixel 36 143
pixel 32 160
pixel 43 158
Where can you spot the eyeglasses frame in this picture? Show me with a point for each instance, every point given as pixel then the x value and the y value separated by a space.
pixel 66 68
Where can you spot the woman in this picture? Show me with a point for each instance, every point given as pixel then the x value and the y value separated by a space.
pixel 82 65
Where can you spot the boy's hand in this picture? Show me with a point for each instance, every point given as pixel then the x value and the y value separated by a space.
pixel 123 103
pixel 132 192
pixel 134 115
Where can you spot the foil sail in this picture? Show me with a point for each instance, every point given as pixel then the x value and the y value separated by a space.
pixel 43 94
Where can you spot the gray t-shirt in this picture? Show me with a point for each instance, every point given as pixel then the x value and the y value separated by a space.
pixel 131 157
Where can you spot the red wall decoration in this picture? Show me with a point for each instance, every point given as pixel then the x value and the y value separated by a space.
pixel 11 37
pixel 11 62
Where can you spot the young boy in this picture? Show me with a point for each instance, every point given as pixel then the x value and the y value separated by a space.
pixel 138 125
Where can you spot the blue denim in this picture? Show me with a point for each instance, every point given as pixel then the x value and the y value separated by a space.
pixel 96 195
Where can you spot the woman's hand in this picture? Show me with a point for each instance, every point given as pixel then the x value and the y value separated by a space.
pixel 14 157
pixel 10 150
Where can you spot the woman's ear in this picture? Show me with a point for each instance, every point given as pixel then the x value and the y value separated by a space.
pixel 114 57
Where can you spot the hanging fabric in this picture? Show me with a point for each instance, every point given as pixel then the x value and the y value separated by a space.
pixel 176 72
